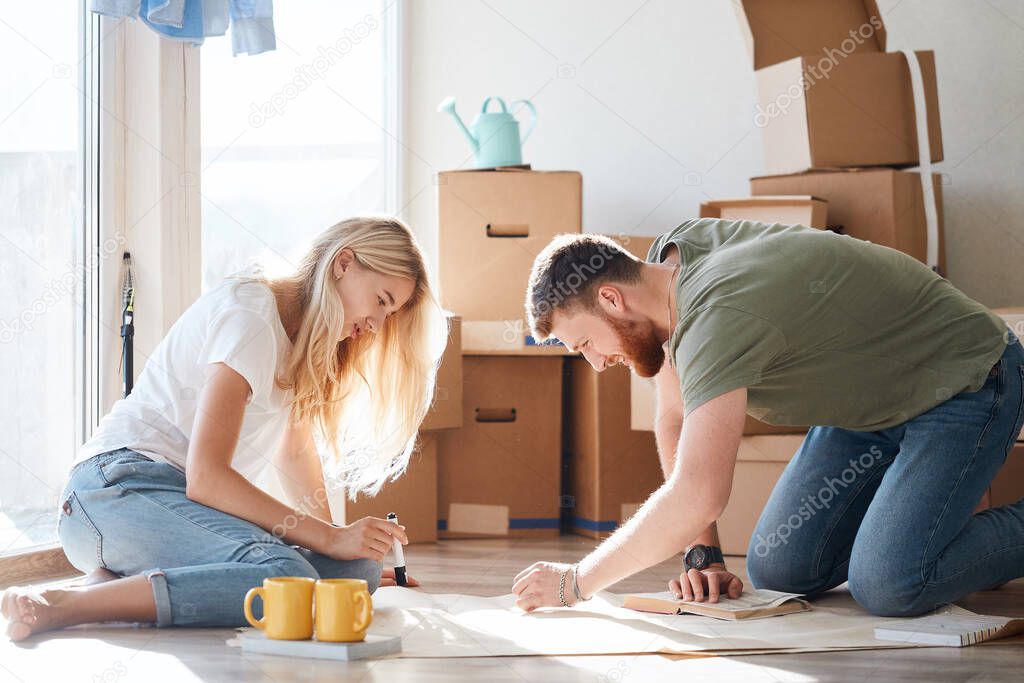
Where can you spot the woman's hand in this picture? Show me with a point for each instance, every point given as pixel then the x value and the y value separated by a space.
pixel 369 538
pixel 711 582
pixel 537 586
pixel 387 578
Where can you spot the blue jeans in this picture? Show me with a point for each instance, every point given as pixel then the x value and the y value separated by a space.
pixel 891 511
pixel 126 513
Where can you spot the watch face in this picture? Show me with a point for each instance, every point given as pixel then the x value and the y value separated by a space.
pixel 697 557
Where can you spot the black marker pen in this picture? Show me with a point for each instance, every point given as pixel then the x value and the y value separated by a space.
pixel 399 555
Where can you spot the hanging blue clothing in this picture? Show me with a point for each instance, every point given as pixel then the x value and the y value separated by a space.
pixel 251 21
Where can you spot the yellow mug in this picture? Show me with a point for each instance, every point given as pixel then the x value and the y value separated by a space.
pixel 287 607
pixel 344 610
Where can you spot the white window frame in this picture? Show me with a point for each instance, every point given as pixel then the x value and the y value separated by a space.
pixel 47 560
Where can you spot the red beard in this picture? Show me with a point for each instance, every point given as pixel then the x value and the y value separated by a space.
pixel 640 345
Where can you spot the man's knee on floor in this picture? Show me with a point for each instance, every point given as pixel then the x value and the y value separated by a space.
pixel 780 570
pixel 882 589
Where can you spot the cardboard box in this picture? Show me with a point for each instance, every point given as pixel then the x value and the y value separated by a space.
pixel 1008 486
pixel 413 496
pixel 789 210
pixel 612 469
pixel 446 410
pixel 499 474
pixel 505 338
pixel 881 205
pixel 492 224
pixel 777 30
pixel 512 337
pixel 829 96
pixel 1014 317
pixel 759 464
pixel 643 406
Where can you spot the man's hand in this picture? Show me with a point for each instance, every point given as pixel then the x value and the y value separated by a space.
pixel 537 586
pixel 710 582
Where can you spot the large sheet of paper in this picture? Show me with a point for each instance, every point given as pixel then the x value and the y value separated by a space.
pixel 433 625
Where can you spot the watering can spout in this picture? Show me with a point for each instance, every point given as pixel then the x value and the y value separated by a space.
pixel 448 106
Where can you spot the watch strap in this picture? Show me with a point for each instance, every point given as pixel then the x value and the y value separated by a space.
pixel 713 553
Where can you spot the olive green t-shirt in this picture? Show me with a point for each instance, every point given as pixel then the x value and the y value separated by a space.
pixel 822 328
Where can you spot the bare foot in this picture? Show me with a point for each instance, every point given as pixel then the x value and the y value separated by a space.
pixel 28 612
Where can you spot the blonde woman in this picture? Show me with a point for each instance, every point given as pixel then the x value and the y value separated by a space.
pixel 160 507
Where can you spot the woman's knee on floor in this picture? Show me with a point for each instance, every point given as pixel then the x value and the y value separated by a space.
pixel 362 568
pixel 330 568
pixel 369 571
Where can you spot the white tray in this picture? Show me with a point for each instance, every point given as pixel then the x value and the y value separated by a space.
pixel 254 640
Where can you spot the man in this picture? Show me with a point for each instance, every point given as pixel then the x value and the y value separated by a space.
pixel 913 389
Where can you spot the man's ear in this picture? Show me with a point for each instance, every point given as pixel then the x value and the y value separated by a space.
pixel 609 298
pixel 342 261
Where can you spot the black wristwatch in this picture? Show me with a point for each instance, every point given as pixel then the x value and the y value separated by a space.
pixel 702 556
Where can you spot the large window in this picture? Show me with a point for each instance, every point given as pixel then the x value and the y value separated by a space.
pixel 294 139
pixel 47 131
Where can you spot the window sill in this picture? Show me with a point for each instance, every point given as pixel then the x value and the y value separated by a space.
pixel 40 564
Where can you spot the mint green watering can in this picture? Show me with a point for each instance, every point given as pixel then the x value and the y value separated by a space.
pixel 494 136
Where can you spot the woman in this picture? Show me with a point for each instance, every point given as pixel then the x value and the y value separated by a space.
pixel 160 507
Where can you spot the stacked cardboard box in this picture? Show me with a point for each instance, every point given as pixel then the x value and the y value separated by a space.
pixel 492 224
pixel 880 205
pixel 829 96
pixel 1008 485
pixel 499 473
pixel 838 118
pixel 802 210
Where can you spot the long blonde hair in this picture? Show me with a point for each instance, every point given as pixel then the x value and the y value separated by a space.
pixel 365 397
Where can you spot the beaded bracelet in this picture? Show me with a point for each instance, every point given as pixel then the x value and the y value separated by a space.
pixel 561 589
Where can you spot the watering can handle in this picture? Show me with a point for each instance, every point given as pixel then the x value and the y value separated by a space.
pixel 533 119
pixel 504 109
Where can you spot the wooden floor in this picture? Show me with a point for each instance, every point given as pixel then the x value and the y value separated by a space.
pixel 122 653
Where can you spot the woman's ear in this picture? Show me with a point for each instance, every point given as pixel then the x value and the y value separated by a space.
pixel 342 262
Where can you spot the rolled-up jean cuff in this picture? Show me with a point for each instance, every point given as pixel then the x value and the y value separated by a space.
pixel 161 596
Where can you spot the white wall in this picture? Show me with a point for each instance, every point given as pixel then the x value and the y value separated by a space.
pixel 654 102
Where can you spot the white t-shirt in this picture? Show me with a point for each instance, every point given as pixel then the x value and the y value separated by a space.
pixel 234 323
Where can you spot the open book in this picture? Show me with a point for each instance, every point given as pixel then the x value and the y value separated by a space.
pixel 754 604
pixel 952 630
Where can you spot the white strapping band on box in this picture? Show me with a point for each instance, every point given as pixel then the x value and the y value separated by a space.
pixel 924 153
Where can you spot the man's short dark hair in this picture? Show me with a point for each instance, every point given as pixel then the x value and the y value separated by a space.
pixel 567 273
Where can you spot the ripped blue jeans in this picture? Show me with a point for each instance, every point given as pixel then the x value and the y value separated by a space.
pixel 126 513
